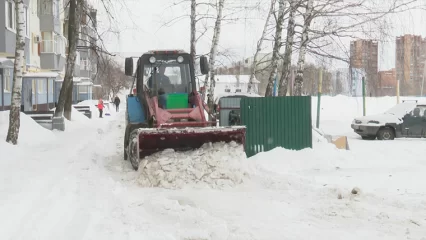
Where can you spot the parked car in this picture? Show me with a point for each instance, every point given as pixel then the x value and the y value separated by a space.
pixel 407 119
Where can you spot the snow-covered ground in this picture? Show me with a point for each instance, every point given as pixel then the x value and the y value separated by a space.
pixel 76 185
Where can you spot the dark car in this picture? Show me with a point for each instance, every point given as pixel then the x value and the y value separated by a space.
pixel 407 119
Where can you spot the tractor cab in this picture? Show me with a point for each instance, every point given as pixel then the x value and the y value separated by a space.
pixel 167 75
pixel 165 85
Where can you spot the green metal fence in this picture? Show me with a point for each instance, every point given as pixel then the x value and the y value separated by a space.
pixel 276 122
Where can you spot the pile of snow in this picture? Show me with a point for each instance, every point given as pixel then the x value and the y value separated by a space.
pixel 77 116
pixel 90 103
pixel 30 132
pixel 217 166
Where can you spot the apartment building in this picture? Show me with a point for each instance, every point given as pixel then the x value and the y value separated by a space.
pixel 86 61
pixel 45 53
pixel 7 48
pixel 387 82
pixel 364 58
pixel 410 63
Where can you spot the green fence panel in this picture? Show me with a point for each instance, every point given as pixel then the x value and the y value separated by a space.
pixel 276 122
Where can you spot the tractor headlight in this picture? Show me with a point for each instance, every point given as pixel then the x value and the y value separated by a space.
pixel 152 59
pixel 180 59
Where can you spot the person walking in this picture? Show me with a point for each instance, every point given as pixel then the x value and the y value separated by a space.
pixel 117 103
pixel 101 107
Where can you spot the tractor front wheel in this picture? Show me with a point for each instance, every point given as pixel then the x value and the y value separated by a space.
pixel 132 149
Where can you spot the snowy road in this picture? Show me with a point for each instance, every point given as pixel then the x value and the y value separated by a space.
pixel 75 185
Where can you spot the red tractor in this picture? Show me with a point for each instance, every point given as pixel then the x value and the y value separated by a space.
pixel 166 110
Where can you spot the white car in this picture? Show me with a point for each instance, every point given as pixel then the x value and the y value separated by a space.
pixel 407 119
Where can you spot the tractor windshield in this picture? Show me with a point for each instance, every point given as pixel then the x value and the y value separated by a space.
pixel 170 77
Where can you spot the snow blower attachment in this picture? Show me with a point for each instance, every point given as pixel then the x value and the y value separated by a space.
pixel 167 111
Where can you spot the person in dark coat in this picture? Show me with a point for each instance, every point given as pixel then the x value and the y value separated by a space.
pixel 117 103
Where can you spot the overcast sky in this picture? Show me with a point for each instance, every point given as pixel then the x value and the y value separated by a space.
pixel 140 23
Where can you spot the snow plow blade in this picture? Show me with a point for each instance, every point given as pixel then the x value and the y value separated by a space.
pixel 155 140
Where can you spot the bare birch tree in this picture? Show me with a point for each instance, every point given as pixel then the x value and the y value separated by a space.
pixel 64 107
pixel 18 69
pixel 307 16
pixel 193 41
pixel 213 53
pixel 259 47
pixel 276 48
pixel 286 67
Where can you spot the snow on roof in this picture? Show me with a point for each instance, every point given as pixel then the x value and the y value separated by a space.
pixel 84 83
pixel 76 79
pixel 40 75
pixel 6 62
pixel 231 79
pixel 220 95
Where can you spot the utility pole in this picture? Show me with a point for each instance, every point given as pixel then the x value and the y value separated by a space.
pixel 319 98
pixel 363 96
pixel 397 91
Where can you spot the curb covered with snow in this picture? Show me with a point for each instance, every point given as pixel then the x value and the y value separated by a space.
pixel 216 166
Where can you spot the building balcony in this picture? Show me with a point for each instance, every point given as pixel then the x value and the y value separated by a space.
pixel 52 54
pixel 50 16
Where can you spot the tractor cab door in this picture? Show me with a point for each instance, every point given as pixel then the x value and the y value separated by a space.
pixel 414 123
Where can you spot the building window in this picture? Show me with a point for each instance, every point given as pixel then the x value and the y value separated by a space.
pixel 83 89
pixel 51 86
pixel 7 79
pixel 34 85
pixel 45 7
pixel 57 7
pixel 53 43
pixel 48 44
pixel 27 22
pixel 40 85
pixel 10 15
pixel 85 64
pixel 60 44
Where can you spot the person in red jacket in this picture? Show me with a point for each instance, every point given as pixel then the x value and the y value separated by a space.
pixel 100 107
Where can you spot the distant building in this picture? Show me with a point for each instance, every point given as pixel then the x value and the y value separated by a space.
pixel 364 57
pixel 234 83
pixel 341 82
pixel 410 63
pixel 387 82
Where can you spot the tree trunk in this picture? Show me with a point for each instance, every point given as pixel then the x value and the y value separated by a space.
pixel 64 106
pixel 213 53
pixel 286 69
pixel 68 103
pixel 193 51
pixel 18 69
pixel 298 83
pixel 276 49
pixel 259 47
